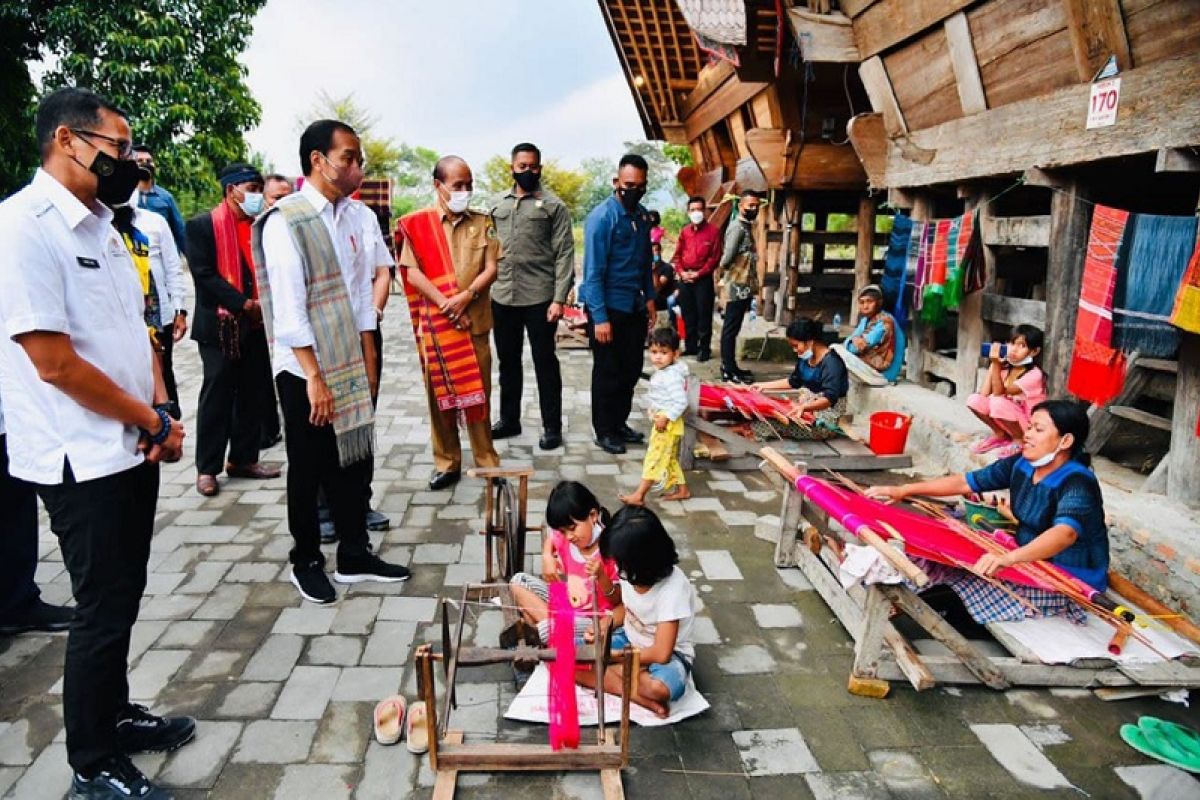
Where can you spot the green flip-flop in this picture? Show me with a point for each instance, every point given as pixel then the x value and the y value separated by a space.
pixel 1159 748
pixel 1184 739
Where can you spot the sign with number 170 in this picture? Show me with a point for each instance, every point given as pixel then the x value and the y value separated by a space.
pixel 1102 106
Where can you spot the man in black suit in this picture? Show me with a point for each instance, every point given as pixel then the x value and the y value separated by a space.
pixel 229 330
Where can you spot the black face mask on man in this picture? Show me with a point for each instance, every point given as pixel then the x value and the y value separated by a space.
pixel 749 214
pixel 117 178
pixel 630 197
pixel 528 180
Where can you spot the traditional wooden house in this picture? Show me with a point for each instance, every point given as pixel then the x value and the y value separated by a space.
pixel 979 104
pixel 759 116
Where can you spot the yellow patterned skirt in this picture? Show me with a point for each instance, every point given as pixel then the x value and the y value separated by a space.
pixel 662 457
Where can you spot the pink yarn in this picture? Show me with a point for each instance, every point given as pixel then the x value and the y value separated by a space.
pixel 564 712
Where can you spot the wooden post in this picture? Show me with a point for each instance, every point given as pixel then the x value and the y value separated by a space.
pixel 789 260
pixel 1183 472
pixel 1070 219
pixel 920 337
pixel 864 251
pixel 790 518
pixel 820 225
pixel 971 325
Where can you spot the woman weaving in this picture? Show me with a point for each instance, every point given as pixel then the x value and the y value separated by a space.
pixel 1059 510
pixel 820 375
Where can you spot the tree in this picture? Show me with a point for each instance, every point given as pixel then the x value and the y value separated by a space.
pixel 170 64
pixel 382 156
pixel 18 44
pixel 412 183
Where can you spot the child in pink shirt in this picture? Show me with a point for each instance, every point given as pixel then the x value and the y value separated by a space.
pixel 570 552
pixel 1013 387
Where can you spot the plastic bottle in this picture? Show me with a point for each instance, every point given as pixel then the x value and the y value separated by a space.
pixel 837 321
pixel 754 309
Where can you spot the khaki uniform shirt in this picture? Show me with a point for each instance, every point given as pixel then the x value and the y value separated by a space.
pixel 539 249
pixel 472 239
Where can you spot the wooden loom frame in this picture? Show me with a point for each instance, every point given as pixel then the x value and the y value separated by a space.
pixel 449 754
pixel 883 654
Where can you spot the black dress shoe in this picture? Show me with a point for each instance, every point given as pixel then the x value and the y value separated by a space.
pixel 746 375
pixel 704 356
pixel 630 436
pixel 610 443
pixel 732 377
pixel 441 480
pixel 502 430
pixel 36 615
pixel 691 352
pixel 551 440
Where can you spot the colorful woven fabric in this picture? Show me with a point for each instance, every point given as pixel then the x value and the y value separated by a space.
pixel 1159 249
pixel 945 257
pixel 1097 370
pixel 986 602
pixel 446 353
pixel 895 268
pixel 1186 312
pixel 337 341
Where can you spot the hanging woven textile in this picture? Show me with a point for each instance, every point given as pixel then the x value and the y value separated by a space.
pixel 564 709
pixel 1097 370
pixel 937 254
pixel 1186 312
pixel 1159 249
pixel 895 268
pixel 916 262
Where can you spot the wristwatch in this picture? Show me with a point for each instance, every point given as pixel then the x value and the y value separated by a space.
pixel 474 294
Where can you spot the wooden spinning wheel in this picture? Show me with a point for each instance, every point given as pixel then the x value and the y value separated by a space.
pixel 504 523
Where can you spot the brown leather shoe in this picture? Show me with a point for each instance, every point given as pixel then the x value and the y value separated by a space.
pixel 260 471
pixel 207 485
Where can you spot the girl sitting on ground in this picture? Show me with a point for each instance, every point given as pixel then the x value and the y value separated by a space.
pixel 570 552
pixel 666 402
pixel 1013 387
pixel 659 607
pixel 820 375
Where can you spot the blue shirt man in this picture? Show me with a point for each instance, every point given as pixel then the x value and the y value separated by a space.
pixel 153 197
pixel 616 260
pixel 618 290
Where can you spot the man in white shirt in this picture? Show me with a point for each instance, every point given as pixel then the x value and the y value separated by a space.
pixel 86 418
pixel 316 278
pixel 167 269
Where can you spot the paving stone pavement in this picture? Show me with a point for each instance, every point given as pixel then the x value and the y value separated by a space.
pixel 284 690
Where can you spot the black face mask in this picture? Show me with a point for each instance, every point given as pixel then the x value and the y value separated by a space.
pixel 528 180
pixel 630 197
pixel 750 214
pixel 118 178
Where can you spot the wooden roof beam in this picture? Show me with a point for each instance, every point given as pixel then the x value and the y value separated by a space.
pixel 1049 131
pixel 1097 31
pixel 883 97
pixel 1178 159
pixel 964 63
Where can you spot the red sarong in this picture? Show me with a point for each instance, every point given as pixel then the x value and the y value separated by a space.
pixel 1097 370
pixel 447 354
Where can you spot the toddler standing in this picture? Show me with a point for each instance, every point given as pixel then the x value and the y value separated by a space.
pixel 667 400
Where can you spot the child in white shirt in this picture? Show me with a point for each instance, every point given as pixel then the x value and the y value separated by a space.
pixel 657 612
pixel 666 401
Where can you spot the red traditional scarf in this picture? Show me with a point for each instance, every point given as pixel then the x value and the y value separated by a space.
pixel 232 238
pixel 1097 370
pixel 447 353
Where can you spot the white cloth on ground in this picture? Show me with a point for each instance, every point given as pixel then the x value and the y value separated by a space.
pixel 865 565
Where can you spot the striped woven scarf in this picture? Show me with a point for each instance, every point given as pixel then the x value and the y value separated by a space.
pixel 1159 248
pixel 338 344
pixel 1097 370
pixel 447 354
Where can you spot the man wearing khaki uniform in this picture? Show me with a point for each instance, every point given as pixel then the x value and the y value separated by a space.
pixel 475 250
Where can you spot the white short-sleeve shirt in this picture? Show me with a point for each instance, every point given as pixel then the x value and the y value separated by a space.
pixel 360 250
pixel 673 598
pixel 64 269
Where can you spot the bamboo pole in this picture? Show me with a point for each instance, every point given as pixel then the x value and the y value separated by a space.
pixel 1138 596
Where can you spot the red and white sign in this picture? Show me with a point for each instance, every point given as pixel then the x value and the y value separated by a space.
pixel 1103 104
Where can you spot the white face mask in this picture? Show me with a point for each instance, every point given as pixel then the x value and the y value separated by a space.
pixel 252 203
pixel 458 202
pixel 1044 460
pixel 1022 363
pixel 597 529
pixel 806 355
pixel 696 217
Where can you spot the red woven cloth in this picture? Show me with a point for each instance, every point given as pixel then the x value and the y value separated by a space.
pixel 1097 370
pixel 447 353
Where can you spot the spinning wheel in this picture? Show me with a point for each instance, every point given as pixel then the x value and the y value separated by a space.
pixel 504 519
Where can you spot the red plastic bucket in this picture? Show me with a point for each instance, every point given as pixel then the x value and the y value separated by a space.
pixel 889 432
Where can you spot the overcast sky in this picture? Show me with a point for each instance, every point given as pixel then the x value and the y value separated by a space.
pixel 472 78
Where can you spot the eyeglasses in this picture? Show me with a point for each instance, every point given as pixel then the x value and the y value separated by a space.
pixel 124 146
